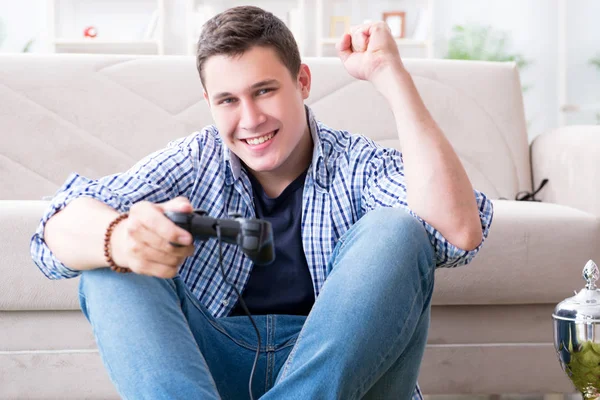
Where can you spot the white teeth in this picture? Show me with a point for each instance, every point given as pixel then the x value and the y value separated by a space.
pixel 261 139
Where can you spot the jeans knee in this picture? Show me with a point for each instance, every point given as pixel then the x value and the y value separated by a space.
pixel 396 227
pixel 397 238
pixel 388 236
pixel 107 280
pixel 112 289
pixel 103 279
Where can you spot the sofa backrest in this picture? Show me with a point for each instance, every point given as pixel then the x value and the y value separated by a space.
pixel 99 114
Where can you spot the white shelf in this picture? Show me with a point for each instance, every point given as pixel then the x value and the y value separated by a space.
pixel 569 108
pixel 399 42
pixel 106 46
pixel 102 42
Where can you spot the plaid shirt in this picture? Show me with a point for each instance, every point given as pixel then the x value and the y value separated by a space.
pixel 349 175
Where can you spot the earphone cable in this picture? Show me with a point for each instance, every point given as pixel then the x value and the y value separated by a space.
pixel 244 307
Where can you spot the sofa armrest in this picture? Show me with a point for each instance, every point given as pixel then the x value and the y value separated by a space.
pixel 570 158
pixel 23 286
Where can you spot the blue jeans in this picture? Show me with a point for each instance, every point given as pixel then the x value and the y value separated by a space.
pixel 363 339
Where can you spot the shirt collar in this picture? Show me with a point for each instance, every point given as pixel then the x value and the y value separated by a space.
pixel 233 165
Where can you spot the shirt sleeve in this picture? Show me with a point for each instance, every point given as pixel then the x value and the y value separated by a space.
pixel 385 187
pixel 157 178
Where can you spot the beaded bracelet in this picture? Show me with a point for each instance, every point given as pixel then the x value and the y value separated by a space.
pixel 107 236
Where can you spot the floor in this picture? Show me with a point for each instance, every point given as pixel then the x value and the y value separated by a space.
pixel 505 397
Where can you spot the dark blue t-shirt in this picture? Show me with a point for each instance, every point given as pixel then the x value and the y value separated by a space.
pixel 284 286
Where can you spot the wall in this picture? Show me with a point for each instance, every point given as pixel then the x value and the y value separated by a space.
pixel 532 25
pixel 583 31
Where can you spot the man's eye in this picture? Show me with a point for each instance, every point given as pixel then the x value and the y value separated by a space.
pixel 227 101
pixel 264 91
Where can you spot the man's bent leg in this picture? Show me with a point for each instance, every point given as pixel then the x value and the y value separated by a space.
pixel 371 316
pixel 143 336
pixel 406 368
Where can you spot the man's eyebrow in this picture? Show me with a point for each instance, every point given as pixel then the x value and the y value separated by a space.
pixel 257 85
pixel 266 82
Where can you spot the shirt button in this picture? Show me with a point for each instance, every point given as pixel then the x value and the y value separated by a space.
pixel 225 302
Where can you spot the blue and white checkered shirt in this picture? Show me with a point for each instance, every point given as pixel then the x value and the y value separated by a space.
pixel 349 175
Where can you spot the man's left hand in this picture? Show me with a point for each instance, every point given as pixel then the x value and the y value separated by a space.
pixel 368 49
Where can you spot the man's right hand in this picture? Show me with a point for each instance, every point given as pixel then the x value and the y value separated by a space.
pixel 142 242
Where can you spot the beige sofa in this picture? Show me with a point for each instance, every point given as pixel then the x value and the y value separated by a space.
pixel 491 329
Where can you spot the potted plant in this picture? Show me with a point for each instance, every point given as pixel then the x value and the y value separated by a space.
pixel 475 42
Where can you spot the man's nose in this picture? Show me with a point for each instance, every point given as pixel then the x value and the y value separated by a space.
pixel 252 116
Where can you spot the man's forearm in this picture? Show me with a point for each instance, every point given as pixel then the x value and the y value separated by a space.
pixel 76 234
pixel 438 188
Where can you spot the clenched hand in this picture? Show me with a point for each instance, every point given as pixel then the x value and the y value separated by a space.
pixel 142 242
pixel 368 49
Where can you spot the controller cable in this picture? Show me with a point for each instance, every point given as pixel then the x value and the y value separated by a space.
pixel 243 304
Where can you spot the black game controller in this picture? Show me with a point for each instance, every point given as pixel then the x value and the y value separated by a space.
pixel 254 236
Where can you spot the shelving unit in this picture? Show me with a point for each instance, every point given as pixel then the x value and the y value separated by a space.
pixel 292 12
pixel 152 41
pixel 357 16
pixel 126 19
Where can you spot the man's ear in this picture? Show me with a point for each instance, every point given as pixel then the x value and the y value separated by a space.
pixel 304 79
pixel 206 98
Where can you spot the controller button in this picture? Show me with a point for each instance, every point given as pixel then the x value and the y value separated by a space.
pixel 250 243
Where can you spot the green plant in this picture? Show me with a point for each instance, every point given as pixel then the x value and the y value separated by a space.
pixel 596 61
pixel 475 42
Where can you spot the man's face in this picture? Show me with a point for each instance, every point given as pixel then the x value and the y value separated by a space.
pixel 259 108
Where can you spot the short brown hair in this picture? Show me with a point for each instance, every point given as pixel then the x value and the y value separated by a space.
pixel 238 29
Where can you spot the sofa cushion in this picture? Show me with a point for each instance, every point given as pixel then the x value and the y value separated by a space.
pixel 99 114
pixel 478 106
pixel 534 254
pixel 23 286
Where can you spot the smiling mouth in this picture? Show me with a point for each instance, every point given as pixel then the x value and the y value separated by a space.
pixel 262 139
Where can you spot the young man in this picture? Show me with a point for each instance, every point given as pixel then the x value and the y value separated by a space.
pixel 359 230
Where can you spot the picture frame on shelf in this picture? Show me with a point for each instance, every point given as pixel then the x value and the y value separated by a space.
pixel 396 20
pixel 337 21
